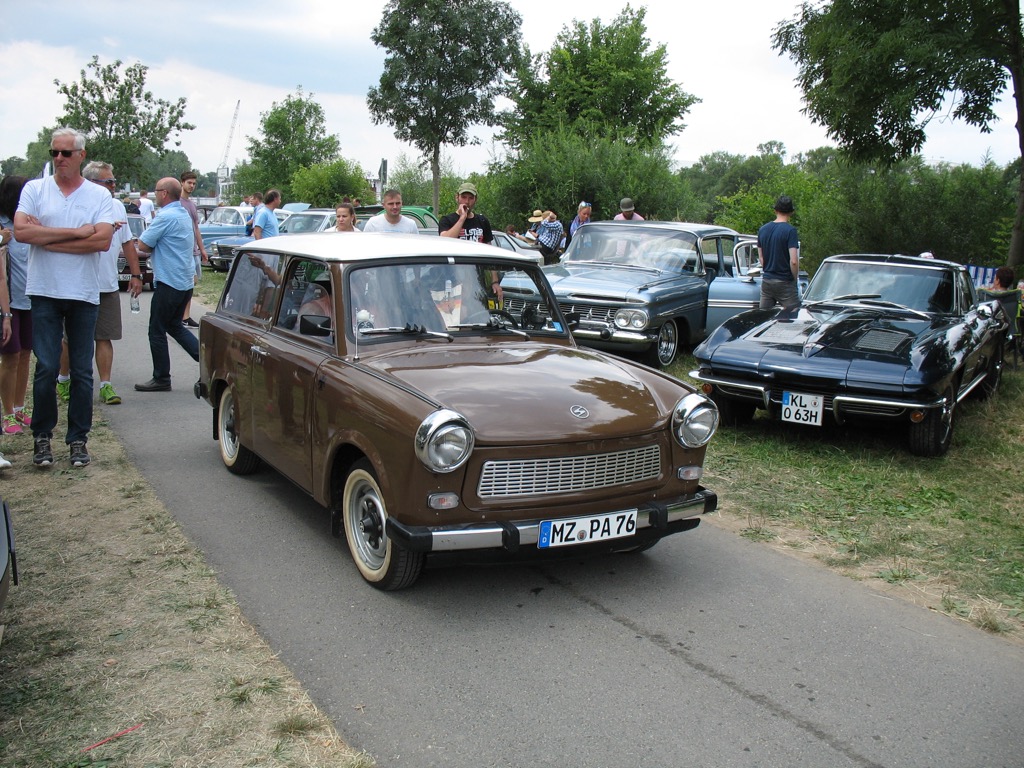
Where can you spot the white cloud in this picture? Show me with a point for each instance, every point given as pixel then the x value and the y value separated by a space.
pixel 215 55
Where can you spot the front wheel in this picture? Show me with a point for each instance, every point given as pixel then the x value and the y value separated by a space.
pixel 933 434
pixel 663 351
pixel 380 561
pixel 236 457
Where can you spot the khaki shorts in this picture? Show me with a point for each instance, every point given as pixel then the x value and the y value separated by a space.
pixel 108 321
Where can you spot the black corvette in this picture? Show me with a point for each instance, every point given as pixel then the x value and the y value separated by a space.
pixel 876 337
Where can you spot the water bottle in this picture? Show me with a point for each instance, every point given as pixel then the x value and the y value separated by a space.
pixel 134 304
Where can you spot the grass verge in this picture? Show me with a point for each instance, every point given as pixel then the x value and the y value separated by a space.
pixel 947 533
pixel 121 648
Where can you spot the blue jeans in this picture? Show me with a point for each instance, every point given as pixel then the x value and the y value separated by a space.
pixel 166 311
pixel 51 320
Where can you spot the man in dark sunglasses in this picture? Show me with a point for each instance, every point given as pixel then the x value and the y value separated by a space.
pixel 68 224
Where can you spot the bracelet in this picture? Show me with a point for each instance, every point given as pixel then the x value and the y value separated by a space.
pixel 6 314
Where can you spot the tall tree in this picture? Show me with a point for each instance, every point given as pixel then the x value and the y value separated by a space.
pixel 447 62
pixel 293 136
pixel 120 118
pixel 876 72
pixel 598 79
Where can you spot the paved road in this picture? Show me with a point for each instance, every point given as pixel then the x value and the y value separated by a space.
pixel 708 650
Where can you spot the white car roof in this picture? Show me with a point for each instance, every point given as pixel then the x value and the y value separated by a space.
pixel 339 246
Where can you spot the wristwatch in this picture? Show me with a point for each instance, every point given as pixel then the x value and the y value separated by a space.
pixel 136 277
pixel 6 314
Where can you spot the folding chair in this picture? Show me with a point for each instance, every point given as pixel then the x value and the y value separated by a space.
pixel 1010 302
pixel 981 276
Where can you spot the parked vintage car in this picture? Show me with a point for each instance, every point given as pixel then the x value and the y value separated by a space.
pixel 428 392
pixel 518 247
pixel 650 287
pixel 423 216
pixel 137 224
pixel 222 252
pixel 8 558
pixel 877 337
pixel 225 221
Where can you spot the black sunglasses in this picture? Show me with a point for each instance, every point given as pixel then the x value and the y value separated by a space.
pixel 109 182
pixel 63 152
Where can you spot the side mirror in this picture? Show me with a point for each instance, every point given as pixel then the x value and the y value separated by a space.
pixel 315 325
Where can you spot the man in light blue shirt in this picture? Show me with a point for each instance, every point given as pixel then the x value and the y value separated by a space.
pixel 264 223
pixel 169 240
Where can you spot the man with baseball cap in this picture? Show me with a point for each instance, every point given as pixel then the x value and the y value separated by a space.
pixel 779 250
pixel 465 223
pixel 626 212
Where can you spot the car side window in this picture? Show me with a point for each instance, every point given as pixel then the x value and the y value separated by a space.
pixel 255 284
pixel 307 292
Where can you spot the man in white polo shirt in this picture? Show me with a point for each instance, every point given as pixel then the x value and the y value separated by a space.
pixel 68 224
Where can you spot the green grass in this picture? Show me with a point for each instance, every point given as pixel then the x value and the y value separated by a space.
pixel 210 287
pixel 954 522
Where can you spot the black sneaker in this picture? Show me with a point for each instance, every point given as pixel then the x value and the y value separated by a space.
pixel 79 454
pixel 43 456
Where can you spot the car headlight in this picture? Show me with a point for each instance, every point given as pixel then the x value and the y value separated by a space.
pixel 631 319
pixel 444 441
pixel 694 420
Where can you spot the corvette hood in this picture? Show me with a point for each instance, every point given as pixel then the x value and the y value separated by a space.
pixel 527 393
pixel 852 344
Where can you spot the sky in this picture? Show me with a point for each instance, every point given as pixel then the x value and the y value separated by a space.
pixel 253 54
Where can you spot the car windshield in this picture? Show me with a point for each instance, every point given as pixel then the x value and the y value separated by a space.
pixel 136 225
pixel 304 222
pixel 450 298
pixel 664 250
pixel 225 216
pixel 925 289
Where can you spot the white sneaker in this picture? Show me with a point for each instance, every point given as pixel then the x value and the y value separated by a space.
pixel 4 463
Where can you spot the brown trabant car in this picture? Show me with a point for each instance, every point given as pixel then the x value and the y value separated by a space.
pixel 429 393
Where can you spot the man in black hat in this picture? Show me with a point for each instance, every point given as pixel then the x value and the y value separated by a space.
pixel 779 249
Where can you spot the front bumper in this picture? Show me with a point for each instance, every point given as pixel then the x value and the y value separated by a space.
pixel 662 519
pixel 610 334
pixel 840 406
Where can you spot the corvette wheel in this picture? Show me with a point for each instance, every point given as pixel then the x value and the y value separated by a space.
pixel 993 375
pixel 932 435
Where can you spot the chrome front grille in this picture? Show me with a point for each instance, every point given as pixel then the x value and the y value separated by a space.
pixel 589 311
pixel 568 474
pixel 516 305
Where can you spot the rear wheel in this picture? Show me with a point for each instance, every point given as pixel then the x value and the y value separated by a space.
pixel 236 457
pixel 993 374
pixel 932 435
pixel 663 351
pixel 380 561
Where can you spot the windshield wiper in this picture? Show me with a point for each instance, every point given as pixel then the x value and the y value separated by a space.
pixel 894 305
pixel 493 324
pixel 408 328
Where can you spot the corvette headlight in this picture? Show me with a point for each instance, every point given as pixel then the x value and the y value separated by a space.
pixel 444 441
pixel 631 319
pixel 694 420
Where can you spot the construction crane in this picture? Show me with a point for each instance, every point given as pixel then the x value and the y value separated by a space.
pixel 223 171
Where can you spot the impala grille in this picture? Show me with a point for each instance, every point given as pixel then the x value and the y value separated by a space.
pixel 540 477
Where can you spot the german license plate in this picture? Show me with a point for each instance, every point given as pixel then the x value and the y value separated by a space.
pixel 582 530
pixel 801 408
